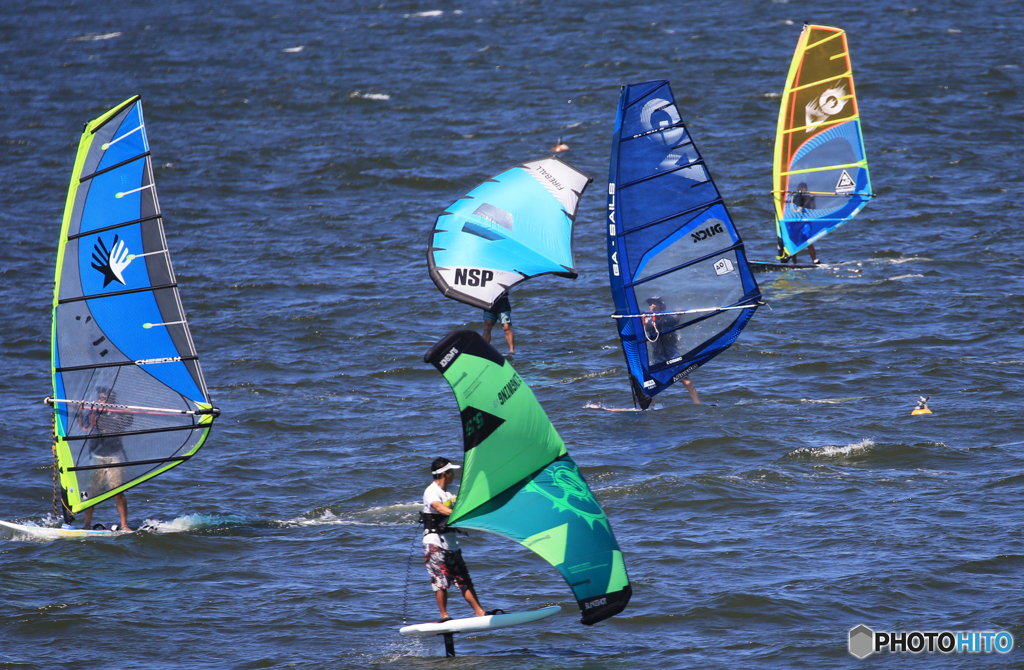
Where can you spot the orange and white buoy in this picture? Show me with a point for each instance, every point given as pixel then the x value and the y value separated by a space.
pixel 922 407
pixel 560 146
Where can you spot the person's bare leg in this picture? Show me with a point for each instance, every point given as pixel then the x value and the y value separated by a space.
pixel 88 519
pixel 487 331
pixel 814 256
pixel 442 602
pixel 508 337
pixel 122 509
pixel 470 596
pixel 692 389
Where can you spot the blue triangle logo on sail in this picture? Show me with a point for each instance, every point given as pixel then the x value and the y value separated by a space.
pixel 513 227
pixel 679 277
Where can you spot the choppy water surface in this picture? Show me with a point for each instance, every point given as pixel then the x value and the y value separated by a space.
pixel 303 151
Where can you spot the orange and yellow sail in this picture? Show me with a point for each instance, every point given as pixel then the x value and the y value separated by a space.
pixel 820 170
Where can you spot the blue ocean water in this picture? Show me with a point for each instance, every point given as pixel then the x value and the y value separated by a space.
pixel 302 153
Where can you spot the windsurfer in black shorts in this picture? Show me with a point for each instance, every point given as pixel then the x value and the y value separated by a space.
pixel 803 200
pixel 663 345
pixel 441 551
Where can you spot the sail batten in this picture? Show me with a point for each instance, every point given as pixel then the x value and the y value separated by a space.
pixel 820 171
pixel 519 481
pixel 672 246
pixel 131 397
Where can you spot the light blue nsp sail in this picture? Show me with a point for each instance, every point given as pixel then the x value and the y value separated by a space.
pixel 513 227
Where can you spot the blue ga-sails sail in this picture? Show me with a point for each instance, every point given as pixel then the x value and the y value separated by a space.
pixel 679 276
pixel 820 171
pixel 130 401
pixel 519 480
pixel 513 227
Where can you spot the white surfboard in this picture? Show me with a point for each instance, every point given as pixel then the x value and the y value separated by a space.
pixel 479 623
pixel 50 533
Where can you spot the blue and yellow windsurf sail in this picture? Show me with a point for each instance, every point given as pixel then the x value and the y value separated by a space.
pixel 679 276
pixel 129 399
pixel 820 170
pixel 512 227
pixel 519 481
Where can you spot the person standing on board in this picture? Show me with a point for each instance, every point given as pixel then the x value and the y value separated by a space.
pixel 441 550
pixel 500 312
pixel 106 449
pixel 664 344
pixel 803 200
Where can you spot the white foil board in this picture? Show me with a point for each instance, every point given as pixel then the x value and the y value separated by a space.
pixel 479 623
pixel 50 533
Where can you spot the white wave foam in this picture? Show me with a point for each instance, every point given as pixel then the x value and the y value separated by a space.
pixel 369 96
pixel 899 277
pixel 293 50
pixel 433 13
pixel 190 522
pixel 832 451
pixel 95 38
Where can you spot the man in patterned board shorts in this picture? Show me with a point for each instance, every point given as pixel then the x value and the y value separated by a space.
pixel 501 313
pixel 441 550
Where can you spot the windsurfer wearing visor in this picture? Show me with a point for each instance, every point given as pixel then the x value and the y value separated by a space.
pixel 664 344
pixel 441 551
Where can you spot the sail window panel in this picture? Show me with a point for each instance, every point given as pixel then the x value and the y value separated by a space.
pixel 685 342
pixel 702 235
pixel 665 196
pixel 649 155
pixel 80 339
pixel 101 450
pixel 103 208
pixel 712 283
pixel 127 142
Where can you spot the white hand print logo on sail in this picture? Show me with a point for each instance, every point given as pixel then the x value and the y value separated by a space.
pixel 111 263
pixel 829 103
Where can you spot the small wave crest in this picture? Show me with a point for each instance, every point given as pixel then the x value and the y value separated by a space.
pixel 369 96
pixel 832 451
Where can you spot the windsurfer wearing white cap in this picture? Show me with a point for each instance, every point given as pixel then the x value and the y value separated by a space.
pixel 441 550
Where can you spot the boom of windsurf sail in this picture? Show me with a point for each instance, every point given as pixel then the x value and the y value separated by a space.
pixel 130 398
pixel 679 276
pixel 513 227
pixel 519 481
pixel 820 172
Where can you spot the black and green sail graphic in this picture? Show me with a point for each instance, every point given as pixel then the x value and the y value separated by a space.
pixel 519 481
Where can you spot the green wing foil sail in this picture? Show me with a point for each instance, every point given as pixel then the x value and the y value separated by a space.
pixel 129 399
pixel 519 481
